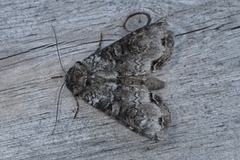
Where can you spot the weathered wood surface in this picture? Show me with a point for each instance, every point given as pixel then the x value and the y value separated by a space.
pixel 202 80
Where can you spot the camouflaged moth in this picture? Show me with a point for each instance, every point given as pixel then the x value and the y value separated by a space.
pixel 117 80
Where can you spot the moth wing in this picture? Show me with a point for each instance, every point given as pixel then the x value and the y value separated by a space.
pixel 143 50
pixel 134 106
pixel 141 111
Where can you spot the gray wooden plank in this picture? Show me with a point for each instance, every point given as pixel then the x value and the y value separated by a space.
pixel 202 80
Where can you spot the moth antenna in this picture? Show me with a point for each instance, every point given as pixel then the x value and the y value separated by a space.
pixel 59 95
pixel 56 40
pixel 58 102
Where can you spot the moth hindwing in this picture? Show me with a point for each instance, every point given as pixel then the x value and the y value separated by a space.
pixel 117 79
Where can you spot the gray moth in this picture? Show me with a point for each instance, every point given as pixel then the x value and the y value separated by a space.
pixel 117 80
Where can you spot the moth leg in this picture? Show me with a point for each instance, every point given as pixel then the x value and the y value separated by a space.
pixel 78 106
pixel 100 42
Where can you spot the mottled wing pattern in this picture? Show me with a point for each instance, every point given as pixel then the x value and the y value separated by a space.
pixel 116 80
pixel 142 51
pixel 133 106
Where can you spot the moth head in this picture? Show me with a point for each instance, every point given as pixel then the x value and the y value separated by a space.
pixel 76 78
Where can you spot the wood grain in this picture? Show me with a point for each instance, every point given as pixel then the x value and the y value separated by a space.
pixel 202 80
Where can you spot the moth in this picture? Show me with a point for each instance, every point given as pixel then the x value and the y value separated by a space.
pixel 117 80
